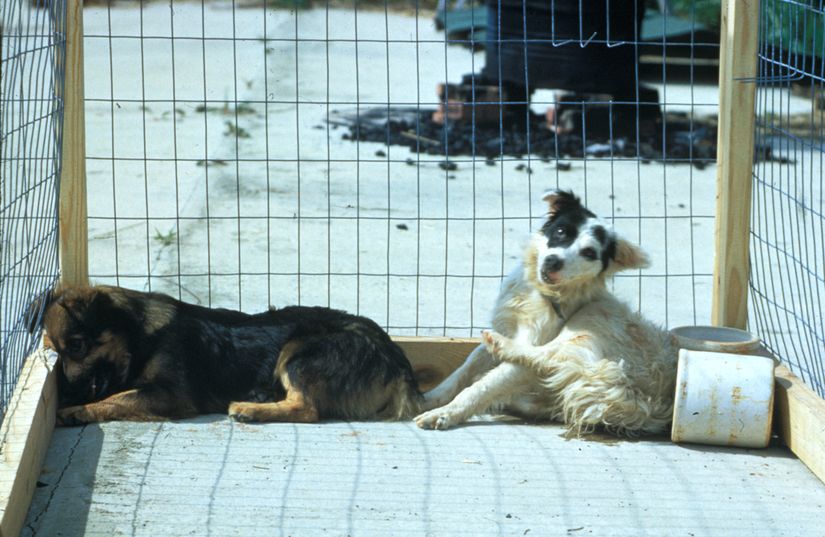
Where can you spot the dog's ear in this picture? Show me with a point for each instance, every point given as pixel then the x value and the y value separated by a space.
pixel 627 255
pixel 86 305
pixel 559 200
pixel 38 306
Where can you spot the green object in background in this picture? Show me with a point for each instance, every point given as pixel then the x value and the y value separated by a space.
pixel 704 12
pixel 796 27
pixel 471 22
pixel 458 22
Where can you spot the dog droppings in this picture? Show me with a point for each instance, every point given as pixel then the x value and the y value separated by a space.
pixel 563 166
pixel 686 139
pixel 402 227
pixel 410 162
pixel 447 165
pixel 380 153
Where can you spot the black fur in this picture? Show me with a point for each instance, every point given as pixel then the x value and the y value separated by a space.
pixel 566 219
pixel 201 359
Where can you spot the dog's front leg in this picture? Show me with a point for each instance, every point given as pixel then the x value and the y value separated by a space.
pixel 541 359
pixel 474 365
pixel 131 405
pixel 503 381
pixel 518 352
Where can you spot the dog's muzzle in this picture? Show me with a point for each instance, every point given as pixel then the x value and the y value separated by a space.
pixel 550 267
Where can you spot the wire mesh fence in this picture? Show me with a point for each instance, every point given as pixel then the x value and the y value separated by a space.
pixel 389 157
pixel 32 41
pixel 788 223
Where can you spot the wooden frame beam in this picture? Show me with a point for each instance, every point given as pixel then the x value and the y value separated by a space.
pixel 799 417
pixel 74 235
pixel 739 40
pixel 24 438
pixel 435 358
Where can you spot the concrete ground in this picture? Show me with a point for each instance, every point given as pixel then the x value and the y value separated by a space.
pixel 213 477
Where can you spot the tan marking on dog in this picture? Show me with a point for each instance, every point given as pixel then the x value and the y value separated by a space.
pixel 128 405
pixel 636 333
pixel 581 340
pixel 296 408
pixel 158 316
pixel 287 352
pixel 629 256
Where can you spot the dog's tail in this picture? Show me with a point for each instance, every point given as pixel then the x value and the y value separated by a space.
pixel 405 401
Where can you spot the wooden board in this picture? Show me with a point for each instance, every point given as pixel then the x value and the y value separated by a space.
pixel 737 91
pixel 73 251
pixel 24 439
pixel 799 415
pixel 435 358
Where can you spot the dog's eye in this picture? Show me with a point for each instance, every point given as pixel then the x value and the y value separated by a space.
pixel 560 232
pixel 589 253
pixel 76 347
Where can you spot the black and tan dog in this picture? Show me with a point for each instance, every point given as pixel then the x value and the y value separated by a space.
pixel 127 355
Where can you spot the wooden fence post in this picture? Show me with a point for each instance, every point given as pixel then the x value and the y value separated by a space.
pixel 74 236
pixel 737 91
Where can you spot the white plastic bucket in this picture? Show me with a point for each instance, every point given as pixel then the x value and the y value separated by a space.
pixel 723 399
pixel 716 339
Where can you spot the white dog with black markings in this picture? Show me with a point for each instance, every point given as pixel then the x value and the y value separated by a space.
pixel 564 348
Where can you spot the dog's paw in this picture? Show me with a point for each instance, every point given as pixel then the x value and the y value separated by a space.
pixel 438 419
pixel 493 341
pixel 73 415
pixel 241 412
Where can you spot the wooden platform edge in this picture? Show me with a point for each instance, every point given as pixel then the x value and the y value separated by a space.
pixel 799 415
pixel 433 358
pixel 24 438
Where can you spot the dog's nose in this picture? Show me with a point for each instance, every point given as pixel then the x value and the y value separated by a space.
pixel 552 263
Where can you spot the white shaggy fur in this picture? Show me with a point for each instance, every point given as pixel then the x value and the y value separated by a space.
pixel 599 365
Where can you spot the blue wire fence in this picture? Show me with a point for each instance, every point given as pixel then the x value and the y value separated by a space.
pixel 254 154
pixel 32 40
pixel 788 211
pixel 280 153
